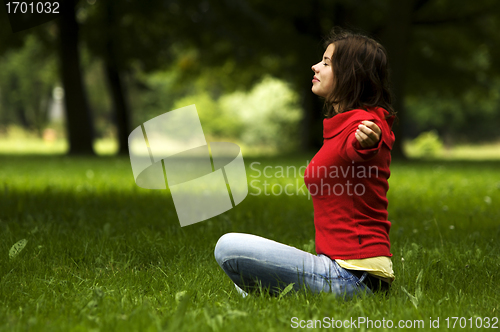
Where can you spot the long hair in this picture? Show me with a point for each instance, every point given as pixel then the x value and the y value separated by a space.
pixel 360 74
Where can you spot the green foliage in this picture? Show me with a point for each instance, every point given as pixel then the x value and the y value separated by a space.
pixel 26 83
pixel 427 145
pixel 216 121
pixel 154 94
pixel 17 248
pixel 269 112
pixel 415 299
pixel 285 291
pixel 452 83
pixel 106 255
pixel 98 95
pixel 267 115
pixel 472 116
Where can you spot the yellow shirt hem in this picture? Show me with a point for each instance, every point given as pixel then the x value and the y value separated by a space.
pixel 380 266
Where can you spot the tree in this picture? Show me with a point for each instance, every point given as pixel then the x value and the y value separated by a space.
pixel 395 37
pixel 28 76
pixel 237 42
pixel 124 35
pixel 78 116
pixel 283 39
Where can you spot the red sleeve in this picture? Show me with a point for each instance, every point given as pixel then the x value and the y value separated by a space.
pixel 353 150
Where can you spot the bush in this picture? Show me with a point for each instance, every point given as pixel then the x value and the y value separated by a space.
pixel 427 144
pixel 270 114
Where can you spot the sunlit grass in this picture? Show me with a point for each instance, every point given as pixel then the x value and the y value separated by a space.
pixel 109 146
pixel 30 145
pixel 105 255
pixel 485 151
pixel 474 152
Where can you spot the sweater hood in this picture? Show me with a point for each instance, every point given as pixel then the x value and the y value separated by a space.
pixel 338 123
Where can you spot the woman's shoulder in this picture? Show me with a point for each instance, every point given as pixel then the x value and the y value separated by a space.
pixel 359 114
pixel 351 118
pixel 378 115
pixel 374 112
pixel 340 122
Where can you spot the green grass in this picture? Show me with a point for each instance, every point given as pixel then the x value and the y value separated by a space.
pixel 34 145
pixel 21 142
pixel 103 254
pixel 485 151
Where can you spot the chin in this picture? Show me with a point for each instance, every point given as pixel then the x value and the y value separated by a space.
pixel 316 93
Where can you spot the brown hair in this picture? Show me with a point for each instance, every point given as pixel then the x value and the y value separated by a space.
pixel 360 73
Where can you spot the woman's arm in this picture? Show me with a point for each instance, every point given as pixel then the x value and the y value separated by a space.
pixel 363 140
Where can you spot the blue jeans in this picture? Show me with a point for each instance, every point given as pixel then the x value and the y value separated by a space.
pixel 253 262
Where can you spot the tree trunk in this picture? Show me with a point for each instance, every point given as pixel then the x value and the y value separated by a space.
pixel 309 54
pixel 120 106
pixel 23 119
pixel 312 126
pixel 395 39
pixel 78 118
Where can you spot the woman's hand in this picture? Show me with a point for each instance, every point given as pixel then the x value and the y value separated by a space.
pixel 368 134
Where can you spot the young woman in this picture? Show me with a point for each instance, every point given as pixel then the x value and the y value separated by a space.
pixel 347 180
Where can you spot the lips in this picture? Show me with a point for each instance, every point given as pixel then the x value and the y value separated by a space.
pixel 315 79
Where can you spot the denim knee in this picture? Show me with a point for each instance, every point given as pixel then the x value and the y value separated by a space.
pixel 223 247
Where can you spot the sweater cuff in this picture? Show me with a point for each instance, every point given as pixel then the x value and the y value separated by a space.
pixel 357 153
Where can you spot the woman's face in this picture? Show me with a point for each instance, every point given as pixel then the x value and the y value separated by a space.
pixel 323 74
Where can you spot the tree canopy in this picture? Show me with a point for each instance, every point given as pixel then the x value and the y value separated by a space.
pixel 443 53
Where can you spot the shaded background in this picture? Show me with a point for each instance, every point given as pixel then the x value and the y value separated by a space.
pixel 104 67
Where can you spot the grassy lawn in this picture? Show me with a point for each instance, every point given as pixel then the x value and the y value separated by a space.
pixel 103 254
pixel 22 143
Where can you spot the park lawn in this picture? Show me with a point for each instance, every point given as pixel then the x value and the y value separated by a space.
pixel 105 255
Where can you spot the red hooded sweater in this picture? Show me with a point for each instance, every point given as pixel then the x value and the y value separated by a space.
pixel 348 186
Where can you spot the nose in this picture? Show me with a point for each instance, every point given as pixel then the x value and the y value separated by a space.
pixel 313 67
